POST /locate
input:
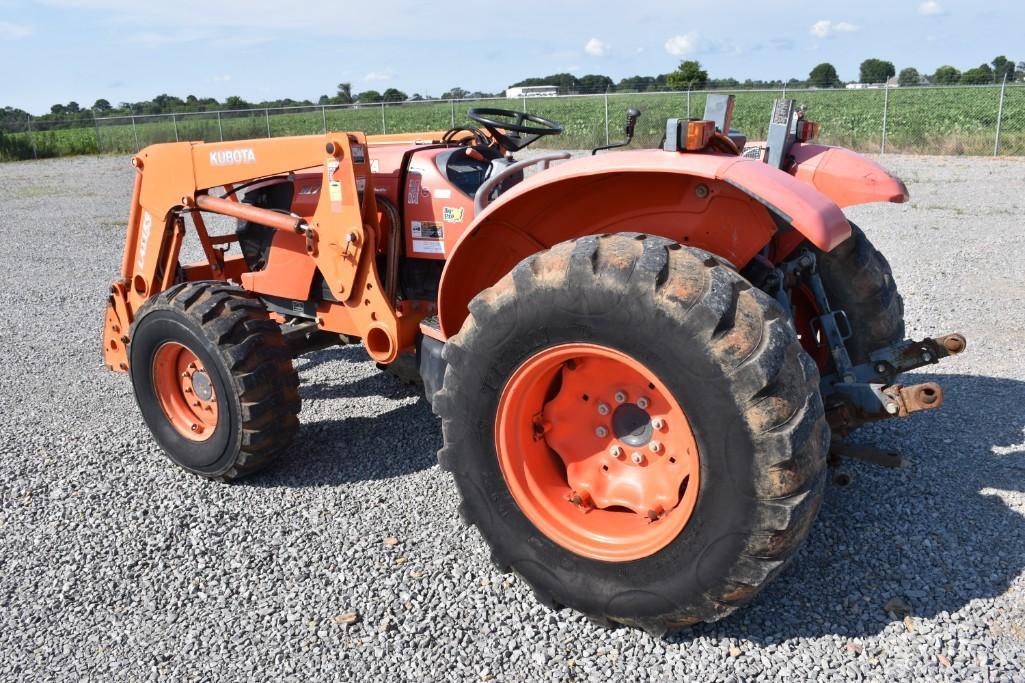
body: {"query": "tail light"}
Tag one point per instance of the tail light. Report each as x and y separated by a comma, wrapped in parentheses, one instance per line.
(806, 130)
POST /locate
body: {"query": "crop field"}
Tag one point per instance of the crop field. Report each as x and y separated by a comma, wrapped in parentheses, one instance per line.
(917, 120)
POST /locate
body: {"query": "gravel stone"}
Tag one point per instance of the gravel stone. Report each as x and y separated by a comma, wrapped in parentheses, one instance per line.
(115, 565)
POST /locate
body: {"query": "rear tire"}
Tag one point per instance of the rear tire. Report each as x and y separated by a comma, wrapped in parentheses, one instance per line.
(858, 280)
(236, 357)
(729, 358)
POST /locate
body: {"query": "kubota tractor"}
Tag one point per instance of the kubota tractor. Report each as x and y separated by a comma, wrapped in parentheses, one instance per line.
(638, 357)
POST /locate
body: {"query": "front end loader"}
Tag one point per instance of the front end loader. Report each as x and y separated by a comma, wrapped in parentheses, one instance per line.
(640, 358)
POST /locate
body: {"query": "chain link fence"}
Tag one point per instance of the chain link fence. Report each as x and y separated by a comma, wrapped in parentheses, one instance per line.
(968, 120)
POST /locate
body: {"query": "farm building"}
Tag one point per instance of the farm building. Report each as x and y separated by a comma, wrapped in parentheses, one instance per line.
(532, 91)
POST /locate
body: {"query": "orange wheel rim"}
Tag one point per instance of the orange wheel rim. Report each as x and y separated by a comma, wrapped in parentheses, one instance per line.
(596, 452)
(806, 310)
(185, 391)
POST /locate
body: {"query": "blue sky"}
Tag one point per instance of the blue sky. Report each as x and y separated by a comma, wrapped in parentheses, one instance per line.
(124, 50)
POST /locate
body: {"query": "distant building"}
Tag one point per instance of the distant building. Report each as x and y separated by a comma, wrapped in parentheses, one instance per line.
(532, 91)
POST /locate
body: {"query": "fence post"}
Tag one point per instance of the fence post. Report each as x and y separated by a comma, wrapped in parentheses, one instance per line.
(135, 134)
(524, 104)
(453, 103)
(384, 121)
(323, 115)
(96, 124)
(266, 116)
(607, 141)
(688, 102)
(220, 129)
(174, 120)
(32, 137)
(886, 113)
(1000, 115)
(784, 90)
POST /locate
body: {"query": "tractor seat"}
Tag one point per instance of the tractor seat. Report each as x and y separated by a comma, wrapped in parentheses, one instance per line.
(463, 170)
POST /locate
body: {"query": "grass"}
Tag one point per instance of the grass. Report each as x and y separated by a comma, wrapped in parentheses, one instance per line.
(919, 120)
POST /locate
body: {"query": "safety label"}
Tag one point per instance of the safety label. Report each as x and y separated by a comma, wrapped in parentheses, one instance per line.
(428, 247)
(453, 215)
(427, 231)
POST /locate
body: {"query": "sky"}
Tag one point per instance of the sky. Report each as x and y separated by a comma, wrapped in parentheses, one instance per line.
(128, 50)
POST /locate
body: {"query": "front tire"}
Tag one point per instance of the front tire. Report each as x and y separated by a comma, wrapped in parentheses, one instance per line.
(719, 349)
(214, 380)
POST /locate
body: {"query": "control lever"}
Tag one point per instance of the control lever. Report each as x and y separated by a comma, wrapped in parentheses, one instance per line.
(632, 115)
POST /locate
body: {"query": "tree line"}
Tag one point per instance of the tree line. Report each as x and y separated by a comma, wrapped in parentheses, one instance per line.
(689, 75)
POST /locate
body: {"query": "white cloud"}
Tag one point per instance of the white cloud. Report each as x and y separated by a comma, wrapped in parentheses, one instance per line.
(378, 76)
(9, 31)
(930, 8)
(826, 28)
(683, 45)
(597, 48)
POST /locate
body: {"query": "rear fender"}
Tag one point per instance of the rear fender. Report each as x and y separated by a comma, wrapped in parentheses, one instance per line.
(725, 204)
(846, 177)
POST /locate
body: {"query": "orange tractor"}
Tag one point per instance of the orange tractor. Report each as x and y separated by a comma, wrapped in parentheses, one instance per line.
(638, 357)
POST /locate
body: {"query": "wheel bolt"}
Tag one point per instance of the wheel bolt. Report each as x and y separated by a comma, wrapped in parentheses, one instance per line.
(601, 432)
(195, 427)
(620, 397)
(638, 458)
(658, 423)
(655, 447)
(642, 402)
(616, 452)
(188, 390)
(603, 409)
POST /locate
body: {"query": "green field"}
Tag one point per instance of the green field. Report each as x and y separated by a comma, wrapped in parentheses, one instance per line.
(918, 120)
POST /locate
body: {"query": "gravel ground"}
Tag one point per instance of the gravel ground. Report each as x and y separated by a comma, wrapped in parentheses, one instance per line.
(115, 565)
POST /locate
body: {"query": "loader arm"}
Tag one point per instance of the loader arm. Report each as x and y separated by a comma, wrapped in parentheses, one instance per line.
(174, 183)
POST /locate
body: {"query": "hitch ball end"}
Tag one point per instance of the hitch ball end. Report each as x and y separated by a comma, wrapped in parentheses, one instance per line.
(953, 343)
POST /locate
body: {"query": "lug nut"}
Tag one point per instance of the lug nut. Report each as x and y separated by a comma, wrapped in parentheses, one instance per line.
(642, 402)
(616, 452)
(603, 409)
(637, 458)
(620, 397)
(195, 427)
(892, 408)
(655, 447)
(601, 432)
(658, 423)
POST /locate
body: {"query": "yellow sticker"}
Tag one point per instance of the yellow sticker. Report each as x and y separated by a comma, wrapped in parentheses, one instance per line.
(453, 215)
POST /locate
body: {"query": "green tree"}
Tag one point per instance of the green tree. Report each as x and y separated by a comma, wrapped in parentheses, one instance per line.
(946, 75)
(876, 71)
(636, 84)
(595, 83)
(688, 76)
(1002, 68)
(394, 95)
(824, 76)
(344, 95)
(980, 75)
(368, 96)
(909, 77)
(101, 106)
(455, 94)
(235, 102)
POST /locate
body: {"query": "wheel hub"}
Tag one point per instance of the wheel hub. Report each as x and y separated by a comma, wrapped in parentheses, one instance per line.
(185, 391)
(631, 424)
(611, 468)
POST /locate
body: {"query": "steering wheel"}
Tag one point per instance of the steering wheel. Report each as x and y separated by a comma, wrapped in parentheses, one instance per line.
(509, 129)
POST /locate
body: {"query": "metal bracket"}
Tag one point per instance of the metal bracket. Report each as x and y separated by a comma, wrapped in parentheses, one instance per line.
(839, 450)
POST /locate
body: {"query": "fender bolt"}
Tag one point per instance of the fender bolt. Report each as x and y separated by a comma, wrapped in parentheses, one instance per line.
(601, 432)
(642, 402)
(638, 458)
(620, 397)
(603, 409)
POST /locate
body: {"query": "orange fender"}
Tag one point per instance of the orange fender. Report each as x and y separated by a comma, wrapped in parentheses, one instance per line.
(721, 203)
(846, 177)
